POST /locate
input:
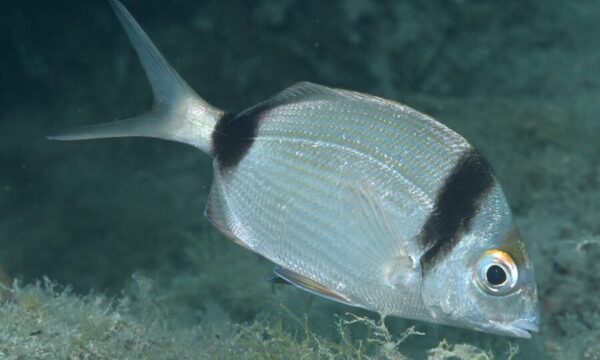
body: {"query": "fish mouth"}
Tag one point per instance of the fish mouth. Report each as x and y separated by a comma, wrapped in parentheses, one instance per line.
(522, 328)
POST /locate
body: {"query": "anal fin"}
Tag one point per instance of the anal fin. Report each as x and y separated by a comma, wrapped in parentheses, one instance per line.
(217, 213)
(311, 286)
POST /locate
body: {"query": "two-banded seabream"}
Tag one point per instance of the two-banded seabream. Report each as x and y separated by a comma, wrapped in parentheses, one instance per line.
(355, 198)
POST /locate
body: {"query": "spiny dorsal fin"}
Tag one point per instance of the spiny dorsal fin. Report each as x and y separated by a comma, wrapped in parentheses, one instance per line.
(311, 286)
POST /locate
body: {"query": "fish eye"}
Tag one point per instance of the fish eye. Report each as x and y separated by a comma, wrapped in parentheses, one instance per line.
(497, 272)
(495, 275)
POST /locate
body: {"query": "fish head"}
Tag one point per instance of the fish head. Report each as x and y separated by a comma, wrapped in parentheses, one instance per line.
(486, 282)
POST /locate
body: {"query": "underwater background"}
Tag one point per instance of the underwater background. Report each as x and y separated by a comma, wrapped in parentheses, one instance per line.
(106, 243)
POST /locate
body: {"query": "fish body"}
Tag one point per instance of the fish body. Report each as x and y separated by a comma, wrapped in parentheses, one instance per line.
(355, 198)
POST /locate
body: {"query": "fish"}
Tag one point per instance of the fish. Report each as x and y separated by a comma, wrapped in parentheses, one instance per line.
(354, 198)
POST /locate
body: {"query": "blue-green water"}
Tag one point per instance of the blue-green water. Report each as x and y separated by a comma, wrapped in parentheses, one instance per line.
(519, 79)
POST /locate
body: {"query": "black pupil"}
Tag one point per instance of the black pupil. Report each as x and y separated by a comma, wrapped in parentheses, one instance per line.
(495, 275)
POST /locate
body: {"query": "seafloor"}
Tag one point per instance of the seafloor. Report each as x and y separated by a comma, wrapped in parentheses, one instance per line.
(120, 221)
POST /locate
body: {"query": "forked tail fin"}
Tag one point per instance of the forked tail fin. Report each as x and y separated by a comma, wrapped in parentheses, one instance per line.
(177, 114)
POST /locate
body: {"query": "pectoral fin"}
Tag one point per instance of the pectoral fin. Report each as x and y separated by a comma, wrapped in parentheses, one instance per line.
(380, 245)
(311, 286)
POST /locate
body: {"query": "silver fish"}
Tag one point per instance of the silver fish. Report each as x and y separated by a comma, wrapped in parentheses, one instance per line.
(355, 198)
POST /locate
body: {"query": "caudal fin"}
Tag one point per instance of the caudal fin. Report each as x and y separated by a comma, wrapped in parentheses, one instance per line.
(177, 114)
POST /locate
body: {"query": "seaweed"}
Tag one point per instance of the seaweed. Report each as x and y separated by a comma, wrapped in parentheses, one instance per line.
(47, 321)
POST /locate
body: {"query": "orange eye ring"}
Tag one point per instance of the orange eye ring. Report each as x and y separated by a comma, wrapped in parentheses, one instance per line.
(497, 272)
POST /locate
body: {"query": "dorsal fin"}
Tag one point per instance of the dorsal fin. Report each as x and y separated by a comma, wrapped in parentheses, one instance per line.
(300, 92)
(311, 286)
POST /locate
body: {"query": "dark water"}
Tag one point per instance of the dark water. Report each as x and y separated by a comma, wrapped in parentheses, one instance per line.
(520, 79)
